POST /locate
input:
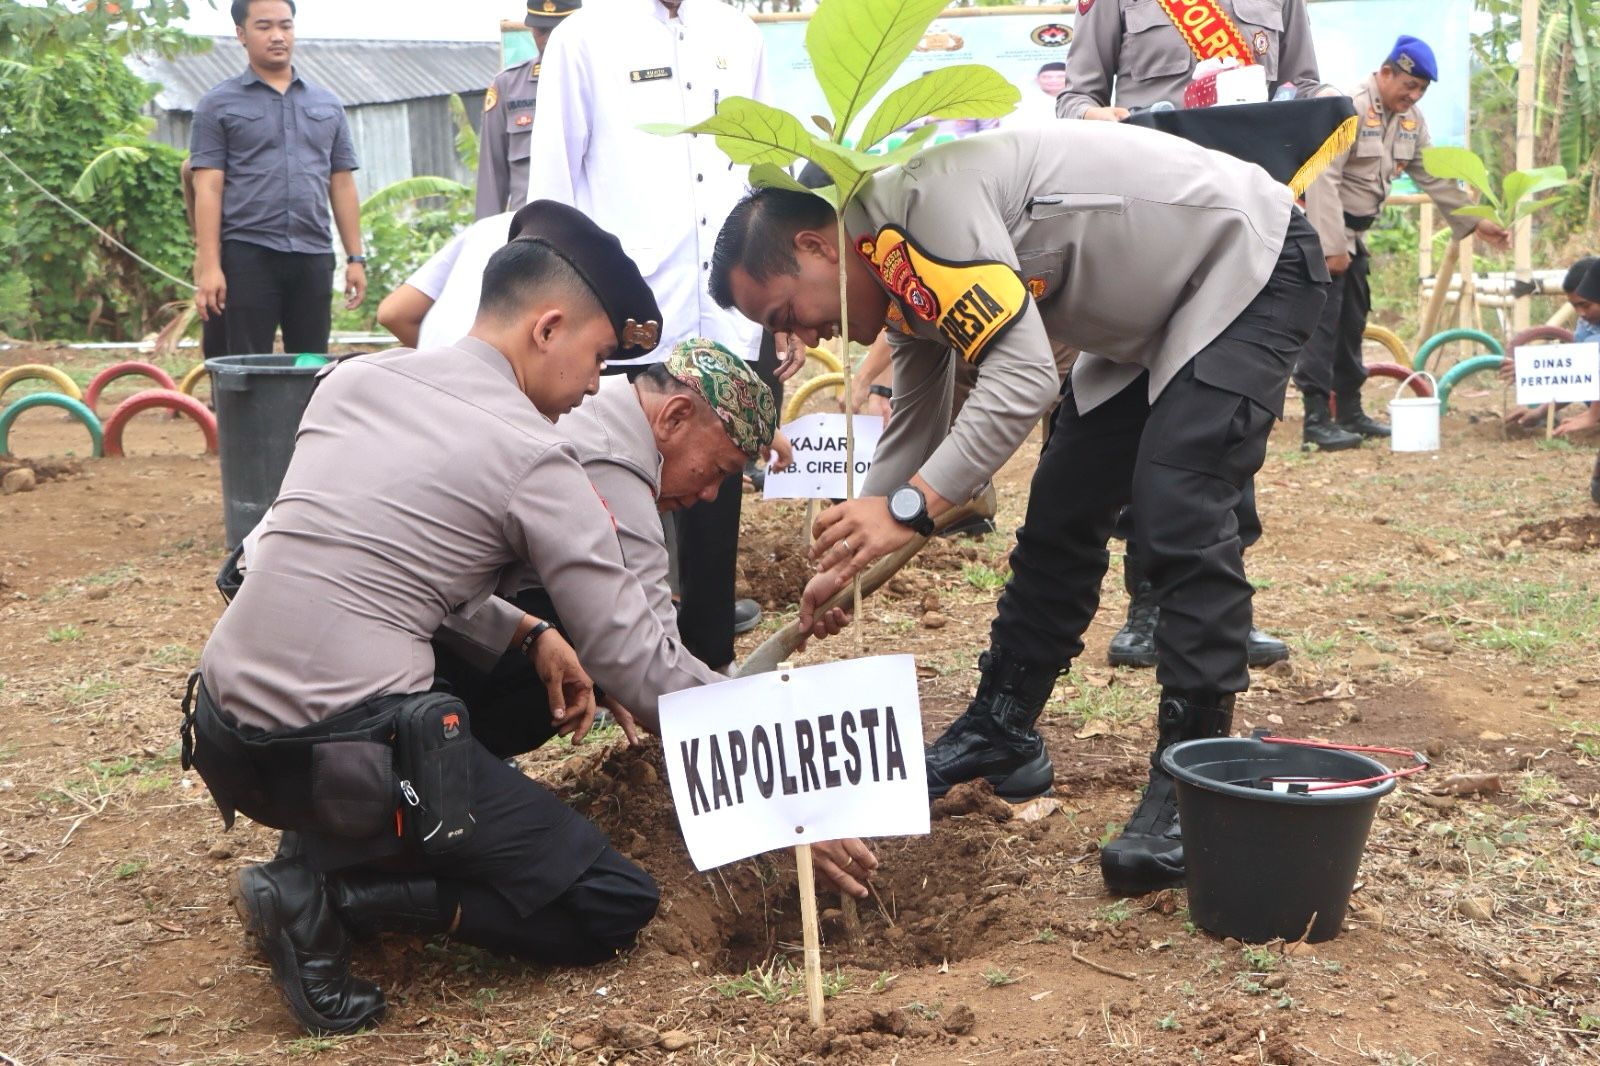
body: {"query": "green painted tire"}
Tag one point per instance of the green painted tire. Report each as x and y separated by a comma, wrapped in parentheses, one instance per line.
(1453, 376)
(1438, 340)
(77, 408)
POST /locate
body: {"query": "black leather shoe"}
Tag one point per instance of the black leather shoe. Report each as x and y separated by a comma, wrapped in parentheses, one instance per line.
(373, 903)
(1264, 649)
(1148, 856)
(746, 615)
(1319, 432)
(1135, 642)
(286, 907)
(976, 526)
(1352, 418)
(995, 737)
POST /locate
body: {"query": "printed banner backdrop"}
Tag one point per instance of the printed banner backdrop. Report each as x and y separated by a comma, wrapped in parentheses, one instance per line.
(1352, 37)
(797, 757)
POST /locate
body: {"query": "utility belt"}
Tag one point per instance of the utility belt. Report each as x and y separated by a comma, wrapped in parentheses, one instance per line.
(399, 764)
(1359, 223)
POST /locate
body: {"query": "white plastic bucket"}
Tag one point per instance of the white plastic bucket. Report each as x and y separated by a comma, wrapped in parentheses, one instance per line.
(1414, 421)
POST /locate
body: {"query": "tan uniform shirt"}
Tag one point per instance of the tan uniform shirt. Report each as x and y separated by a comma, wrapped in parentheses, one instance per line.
(418, 478)
(503, 139)
(1358, 181)
(1133, 44)
(614, 443)
(1135, 245)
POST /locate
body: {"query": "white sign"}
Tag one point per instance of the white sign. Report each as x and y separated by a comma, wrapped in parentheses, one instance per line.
(797, 757)
(1559, 373)
(817, 472)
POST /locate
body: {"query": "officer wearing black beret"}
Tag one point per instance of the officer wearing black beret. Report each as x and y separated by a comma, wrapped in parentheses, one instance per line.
(418, 477)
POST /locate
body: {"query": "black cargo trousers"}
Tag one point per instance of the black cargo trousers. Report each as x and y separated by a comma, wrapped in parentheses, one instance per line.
(1183, 462)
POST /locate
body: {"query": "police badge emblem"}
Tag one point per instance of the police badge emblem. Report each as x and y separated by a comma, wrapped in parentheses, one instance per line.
(1037, 286)
(640, 334)
(1260, 42)
(491, 98)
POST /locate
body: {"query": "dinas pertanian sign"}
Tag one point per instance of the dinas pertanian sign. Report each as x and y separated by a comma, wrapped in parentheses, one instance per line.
(797, 757)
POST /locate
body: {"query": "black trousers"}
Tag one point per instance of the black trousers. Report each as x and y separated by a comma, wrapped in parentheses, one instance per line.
(268, 289)
(1184, 463)
(708, 552)
(1134, 572)
(1331, 364)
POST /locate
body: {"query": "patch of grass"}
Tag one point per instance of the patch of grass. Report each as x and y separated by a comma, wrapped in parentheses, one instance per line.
(995, 977)
(1113, 913)
(312, 1045)
(1115, 704)
(1554, 444)
(928, 1012)
(61, 634)
(777, 981)
(1317, 649)
(1535, 788)
(89, 690)
(1046, 935)
(1170, 1023)
(129, 869)
(173, 654)
(986, 578)
(1259, 959)
(1539, 622)
(115, 576)
(883, 980)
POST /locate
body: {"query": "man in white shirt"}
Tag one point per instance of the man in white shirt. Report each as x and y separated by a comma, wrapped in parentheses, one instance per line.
(615, 65)
(438, 302)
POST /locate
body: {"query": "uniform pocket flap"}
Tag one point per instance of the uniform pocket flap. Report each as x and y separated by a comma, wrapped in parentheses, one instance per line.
(1041, 207)
(353, 787)
(1042, 272)
(1265, 13)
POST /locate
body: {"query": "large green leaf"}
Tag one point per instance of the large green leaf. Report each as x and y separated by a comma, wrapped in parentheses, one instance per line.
(1478, 211)
(751, 133)
(415, 188)
(1528, 207)
(1460, 164)
(105, 167)
(968, 90)
(856, 46)
(1521, 183)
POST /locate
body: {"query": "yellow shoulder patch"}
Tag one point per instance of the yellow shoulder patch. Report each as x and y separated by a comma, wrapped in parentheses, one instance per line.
(971, 304)
(491, 98)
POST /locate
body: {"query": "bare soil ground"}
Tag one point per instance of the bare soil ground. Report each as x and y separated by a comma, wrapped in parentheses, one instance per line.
(1444, 602)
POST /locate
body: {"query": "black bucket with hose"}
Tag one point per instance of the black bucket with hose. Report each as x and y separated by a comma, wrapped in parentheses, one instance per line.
(1273, 831)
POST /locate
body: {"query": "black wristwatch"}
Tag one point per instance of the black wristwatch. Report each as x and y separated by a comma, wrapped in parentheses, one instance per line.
(881, 390)
(909, 507)
(356, 259)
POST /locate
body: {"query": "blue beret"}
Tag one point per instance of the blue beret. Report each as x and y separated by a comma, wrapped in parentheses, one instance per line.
(1414, 57)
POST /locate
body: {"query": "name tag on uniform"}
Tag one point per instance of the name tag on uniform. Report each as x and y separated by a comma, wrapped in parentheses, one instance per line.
(650, 74)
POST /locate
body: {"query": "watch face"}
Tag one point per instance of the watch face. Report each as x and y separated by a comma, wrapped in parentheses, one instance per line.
(905, 503)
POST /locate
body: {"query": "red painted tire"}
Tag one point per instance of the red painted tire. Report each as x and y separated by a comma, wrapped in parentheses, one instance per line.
(170, 399)
(1419, 385)
(132, 368)
(1540, 333)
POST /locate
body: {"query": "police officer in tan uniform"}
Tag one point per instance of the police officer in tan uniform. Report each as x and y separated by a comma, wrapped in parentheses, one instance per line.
(1188, 279)
(1344, 202)
(1128, 55)
(1131, 52)
(504, 134)
(418, 478)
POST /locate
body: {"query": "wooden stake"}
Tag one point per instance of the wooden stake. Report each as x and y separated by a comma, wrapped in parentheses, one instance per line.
(1549, 420)
(1522, 232)
(849, 421)
(1441, 284)
(810, 931)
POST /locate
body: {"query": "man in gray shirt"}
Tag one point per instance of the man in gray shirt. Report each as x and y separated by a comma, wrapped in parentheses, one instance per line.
(270, 151)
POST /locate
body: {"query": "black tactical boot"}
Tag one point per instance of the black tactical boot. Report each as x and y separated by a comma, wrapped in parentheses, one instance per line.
(1135, 642)
(994, 738)
(1264, 649)
(286, 907)
(1353, 418)
(1148, 856)
(1320, 433)
(376, 903)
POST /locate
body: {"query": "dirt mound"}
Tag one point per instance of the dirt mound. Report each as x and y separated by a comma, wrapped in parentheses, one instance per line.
(43, 469)
(1578, 533)
(743, 914)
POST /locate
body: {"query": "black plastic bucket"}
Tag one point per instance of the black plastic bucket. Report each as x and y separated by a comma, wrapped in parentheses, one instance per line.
(1262, 859)
(259, 400)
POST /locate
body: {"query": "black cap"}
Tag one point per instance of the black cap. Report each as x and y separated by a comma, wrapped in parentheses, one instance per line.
(598, 258)
(1048, 67)
(547, 14)
(1575, 273)
(1589, 287)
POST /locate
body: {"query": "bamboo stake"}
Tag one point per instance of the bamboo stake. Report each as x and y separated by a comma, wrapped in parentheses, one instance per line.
(1522, 232)
(849, 420)
(1441, 282)
(1549, 420)
(810, 931)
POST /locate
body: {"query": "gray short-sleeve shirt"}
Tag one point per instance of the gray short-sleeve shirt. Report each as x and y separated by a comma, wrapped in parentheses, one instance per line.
(277, 152)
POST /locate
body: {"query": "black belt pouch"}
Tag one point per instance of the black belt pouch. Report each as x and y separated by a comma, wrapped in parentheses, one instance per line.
(433, 759)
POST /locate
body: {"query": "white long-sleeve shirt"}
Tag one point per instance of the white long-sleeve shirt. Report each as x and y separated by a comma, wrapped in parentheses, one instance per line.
(617, 64)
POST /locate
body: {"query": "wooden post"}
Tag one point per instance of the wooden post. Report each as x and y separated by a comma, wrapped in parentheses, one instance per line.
(1441, 284)
(1425, 241)
(1549, 420)
(810, 930)
(1522, 235)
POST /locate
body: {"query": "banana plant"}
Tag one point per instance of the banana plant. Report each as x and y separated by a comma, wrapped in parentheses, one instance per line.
(1514, 200)
(856, 46)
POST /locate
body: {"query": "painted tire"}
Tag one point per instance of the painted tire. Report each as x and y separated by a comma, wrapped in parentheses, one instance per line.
(72, 406)
(1457, 373)
(133, 368)
(170, 399)
(791, 410)
(826, 358)
(29, 371)
(1540, 333)
(1390, 340)
(1419, 385)
(1438, 340)
(192, 379)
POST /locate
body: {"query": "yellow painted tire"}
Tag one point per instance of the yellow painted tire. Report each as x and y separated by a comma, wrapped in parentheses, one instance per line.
(826, 358)
(797, 400)
(1389, 340)
(30, 371)
(190, 381)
